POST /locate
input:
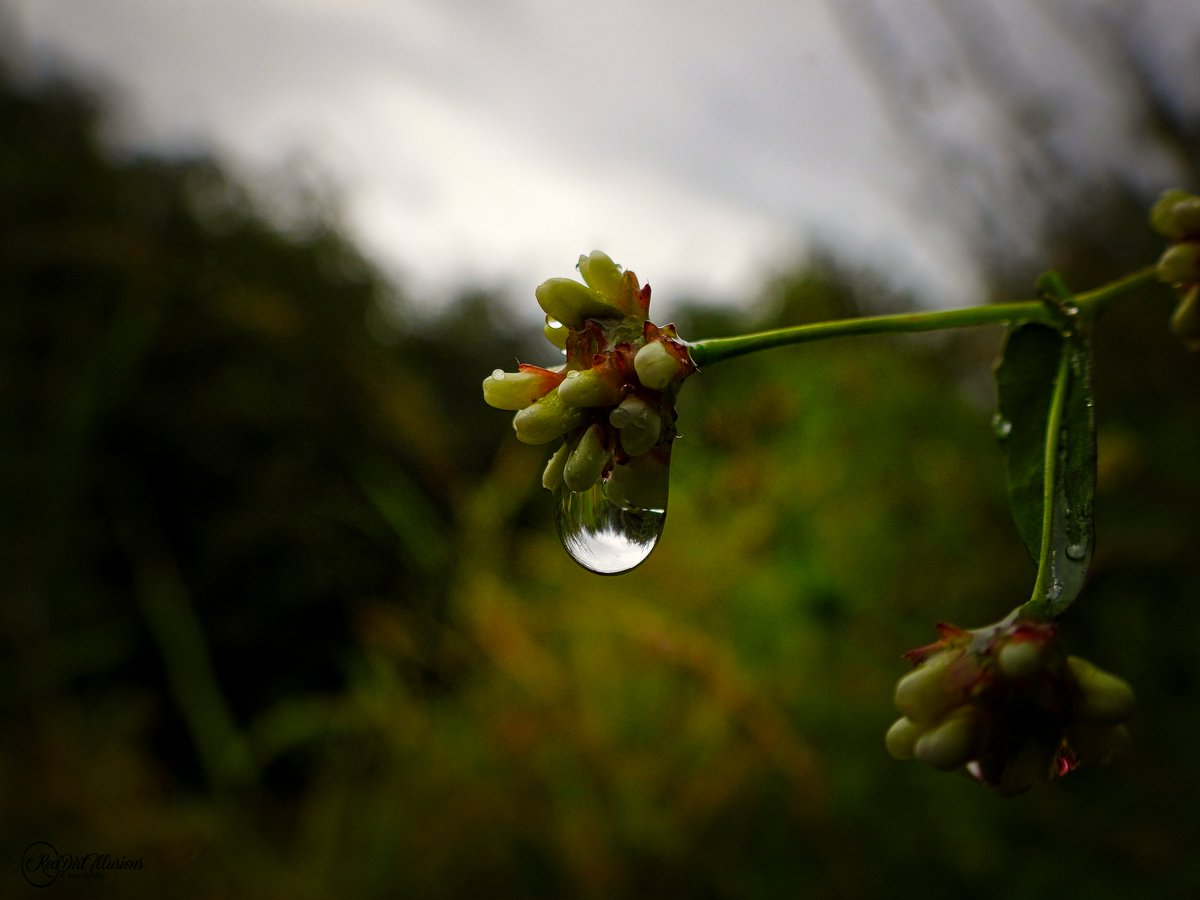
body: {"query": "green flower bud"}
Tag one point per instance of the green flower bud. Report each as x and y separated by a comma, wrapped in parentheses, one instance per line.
(553, 475)
(1186, 216)
(640, 426)
(1103, 696)
(556, 332)
(1099, 745)
(1020, 658)
(586, 463)
(950, 743)
(588, 388)
(923, 694)
(640, 483)
(572, 303)
(546, 419)
(901, 738)
(601, 273)
(516, 390)
(657, 366)
(1032, 765)
(1163, 218)
(1186, 320)
(1180, 264)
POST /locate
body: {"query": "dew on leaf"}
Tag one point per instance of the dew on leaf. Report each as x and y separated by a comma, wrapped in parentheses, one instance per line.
(498, 374)
(1001, 426)
(1076, 551)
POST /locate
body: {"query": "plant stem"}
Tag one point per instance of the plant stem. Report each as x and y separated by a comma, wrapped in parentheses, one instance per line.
(1090, 304)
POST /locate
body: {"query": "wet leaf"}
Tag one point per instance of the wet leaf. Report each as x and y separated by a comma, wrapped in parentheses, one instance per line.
(1025, 379)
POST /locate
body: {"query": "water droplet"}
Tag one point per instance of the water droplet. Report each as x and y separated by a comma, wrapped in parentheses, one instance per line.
(1001, 426)
(498, 374)
(551, 322)
(1077, 551)
(612, 527)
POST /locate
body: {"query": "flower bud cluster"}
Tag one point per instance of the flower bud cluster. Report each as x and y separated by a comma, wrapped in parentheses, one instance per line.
(1176, 216)
(1008, 705)
(613, 399)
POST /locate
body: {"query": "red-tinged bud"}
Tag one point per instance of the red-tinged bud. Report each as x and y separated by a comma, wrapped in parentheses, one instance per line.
(1008, 704)
(516, 390)
(658, 365)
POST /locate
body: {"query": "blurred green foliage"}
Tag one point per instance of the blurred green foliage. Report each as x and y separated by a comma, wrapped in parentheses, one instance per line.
(284, 614)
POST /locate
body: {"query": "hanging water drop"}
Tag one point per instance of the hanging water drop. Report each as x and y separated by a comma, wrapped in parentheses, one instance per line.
(1077, 552)
(612, 527)
(1001, 426)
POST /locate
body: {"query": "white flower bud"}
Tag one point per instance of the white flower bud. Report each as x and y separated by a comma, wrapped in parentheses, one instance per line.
(514, 390)
(656, 366)
(1020, 659)
(572, 303)
(552, 476)
(640, 426)
(545, 420)
(922, 695)
(950, 743)
(588, 388)
(600, 273)
(902, 736)
(586, 463)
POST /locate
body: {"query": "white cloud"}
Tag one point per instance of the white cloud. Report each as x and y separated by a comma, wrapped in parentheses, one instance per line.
(495, 141)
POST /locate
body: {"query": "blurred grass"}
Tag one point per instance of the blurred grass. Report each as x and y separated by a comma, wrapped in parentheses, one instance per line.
(285, 616)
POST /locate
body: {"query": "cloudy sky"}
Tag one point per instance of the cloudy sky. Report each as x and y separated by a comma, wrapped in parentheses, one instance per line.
(699, 143)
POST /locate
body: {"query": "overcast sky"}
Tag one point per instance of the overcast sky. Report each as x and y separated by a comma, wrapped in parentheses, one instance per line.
(699, 143)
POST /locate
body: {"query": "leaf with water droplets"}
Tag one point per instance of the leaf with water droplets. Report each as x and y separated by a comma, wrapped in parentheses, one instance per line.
(612, 527)
(1025, 379)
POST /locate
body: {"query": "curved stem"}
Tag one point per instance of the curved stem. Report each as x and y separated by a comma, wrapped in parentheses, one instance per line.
(1090, 304)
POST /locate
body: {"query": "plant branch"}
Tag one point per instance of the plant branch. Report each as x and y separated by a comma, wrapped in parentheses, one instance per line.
(1090, 304)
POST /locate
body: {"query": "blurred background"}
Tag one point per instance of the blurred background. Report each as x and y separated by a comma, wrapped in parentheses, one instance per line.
(283, 611)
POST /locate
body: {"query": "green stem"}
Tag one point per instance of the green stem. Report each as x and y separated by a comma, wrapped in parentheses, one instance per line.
(1038, 604)
(1090, 304)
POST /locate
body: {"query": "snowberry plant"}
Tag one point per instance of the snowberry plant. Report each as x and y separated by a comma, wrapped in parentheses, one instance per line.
(1006, 703)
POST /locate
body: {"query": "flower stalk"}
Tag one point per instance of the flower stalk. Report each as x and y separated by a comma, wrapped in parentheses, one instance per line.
(1090, 304)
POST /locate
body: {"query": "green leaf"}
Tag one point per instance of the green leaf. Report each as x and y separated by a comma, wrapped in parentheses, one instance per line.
(1029, 397)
